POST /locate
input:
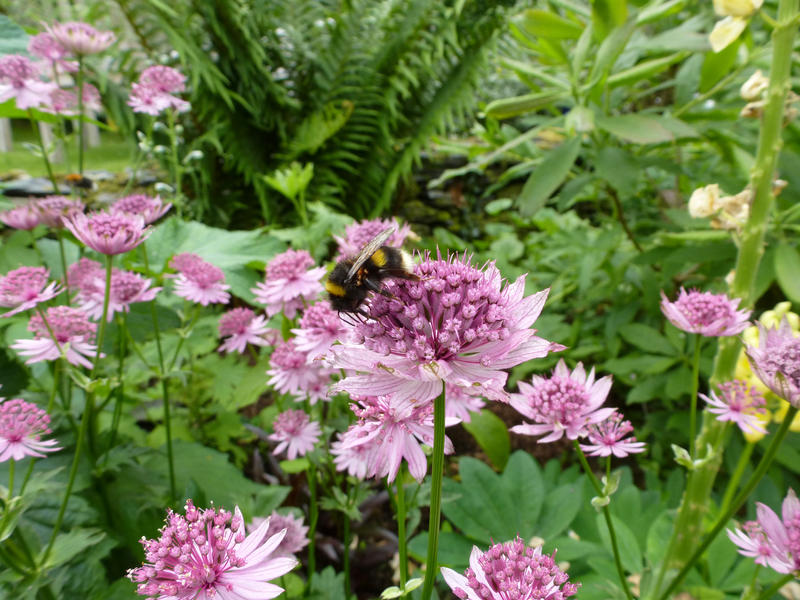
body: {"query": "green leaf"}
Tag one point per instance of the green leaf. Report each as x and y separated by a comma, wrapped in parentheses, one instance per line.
(491, 433)
(298, 465)
(318, 127)
(636, 128)
(717, 65)
(13, 39)
(454, 549)
(619, 168)
(609, 51)
(546, 24)
(533, 71)
(644, 363)
(658, 538)
(646, 338)
(787, 270)
(327, 585)
(629, 552)
(518, 105)
(608, 14)
(550, 174)
(644, 70)
(70, 545)
(561, 506)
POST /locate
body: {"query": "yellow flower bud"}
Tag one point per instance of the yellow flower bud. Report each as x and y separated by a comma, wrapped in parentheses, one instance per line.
(736, 8)
(704, 201)
(725, 32)
(756, 85)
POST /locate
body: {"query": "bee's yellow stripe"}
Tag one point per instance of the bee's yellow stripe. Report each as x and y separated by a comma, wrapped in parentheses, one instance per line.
(379, 258)
(334, 288)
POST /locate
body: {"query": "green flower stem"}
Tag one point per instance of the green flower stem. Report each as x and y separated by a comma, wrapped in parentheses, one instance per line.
(122, 325)
(80, 114)
(401, 525)
(51, 401)
(750, 592)
(607, 515)
(313, 516)
(164, 387)
(177, 169)
(733, 484)
(27, 475)
(346, 540)
(751, 248)
(11, 463)
(435, 515)
(695, 388)
(737, 502)
(62, 256)
(48, 166)
(773, 589)
(100, 338)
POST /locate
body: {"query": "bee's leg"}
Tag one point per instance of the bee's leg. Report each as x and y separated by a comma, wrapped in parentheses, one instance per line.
(376, 287)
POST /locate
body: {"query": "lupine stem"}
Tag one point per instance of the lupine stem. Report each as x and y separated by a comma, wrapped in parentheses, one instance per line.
(733, 484)
(609, 523)
(751, 248)
(695, 388)
(313, 515)
(737, 502)
(435, 515)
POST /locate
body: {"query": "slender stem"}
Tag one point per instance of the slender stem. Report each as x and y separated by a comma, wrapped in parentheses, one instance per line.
(346, 539)
(80, 114)
(51, 401)
(89, 408)
(62, 256)
(435, 515)
(695, 388)
(401, 525)
(771, 590)
(27, 475)
(11, 463)
(740, 498)
(122, 325)
(609, 523)
(177, 170)
(733, 484)
(48, 166)
(750, 592)
(313, 516)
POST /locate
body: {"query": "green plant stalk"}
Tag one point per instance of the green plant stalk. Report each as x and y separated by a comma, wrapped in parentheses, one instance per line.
(123, 325)
(27, 475)
(695, 388)
(100, 338)
(435, 514)
(401, 526)
(11, 463)
(63, 257)
(733, 484)
(772, 590)
(740, 499)
(177, 169)
(609, 523)
(750, 592)
(694, 505)
(48, 166)
(346, 540)
(164, 387)
(80, 114)
(313, 516)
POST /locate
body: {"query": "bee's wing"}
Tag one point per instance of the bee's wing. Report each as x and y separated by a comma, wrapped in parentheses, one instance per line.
(368, 251)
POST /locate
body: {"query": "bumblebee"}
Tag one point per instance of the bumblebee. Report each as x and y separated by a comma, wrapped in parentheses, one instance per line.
(353, 278)
(79, 181)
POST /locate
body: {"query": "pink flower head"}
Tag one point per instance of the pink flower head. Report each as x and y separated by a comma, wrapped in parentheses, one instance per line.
(295, 432)
(296, 537)
(149, 208)
(62, 102)
(320, 326)
(741, 403)
(24, 288)
(80, 38)
(126, 288)
(710, 315)
(776, 361)
(357, 235)
(458, 324)
(241, 326)
(392, 430)
(355, 459)
(19, 80)
(108, 233)
(290, 373)
(54, 209)
(773, 541)
(199, 281)
(510, 571)
(567, 402)
(290, 283)
(83, 275)
(22, 425)
(147, 100)
(24, 216)
(205, 555)
(608, 437)
(154, 91)
(46, 47)
(163, 79)
(461, 402)
(72, 335)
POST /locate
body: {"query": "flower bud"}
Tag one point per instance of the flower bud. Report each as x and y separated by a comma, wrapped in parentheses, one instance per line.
(704, 201)
(736, 8)
(754, 87)
(725, 32)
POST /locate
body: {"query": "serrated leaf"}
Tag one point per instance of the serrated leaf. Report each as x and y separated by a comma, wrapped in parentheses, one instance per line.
(630, 554)
(787, 270)
(491, 433)
(647, 338)
(548, 176)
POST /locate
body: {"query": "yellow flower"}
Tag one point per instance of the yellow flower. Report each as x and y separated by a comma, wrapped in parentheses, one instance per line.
(725, 32)
(772, 318)
(754, 87)
(736, 8)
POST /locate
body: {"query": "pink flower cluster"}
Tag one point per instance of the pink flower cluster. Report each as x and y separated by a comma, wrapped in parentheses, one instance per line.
(776, 361)
(205, 554)
(290, 283)
(510, 571)
(149, 208)
(291, 373)
(24, 288)
(771, 540)
(156, 89)
(295, 433)
(79, 38)
(89, 278)
(108, 232)
(50, 211)
(64, 330)
(22, 425)
(357, 235)
(296, 537)
(240, 327)
(710, 315)
(19, 80)
(741, 403)
(320, 327)
(199, 281)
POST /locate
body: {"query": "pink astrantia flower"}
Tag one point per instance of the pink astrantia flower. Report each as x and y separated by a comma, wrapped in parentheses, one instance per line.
(740, 403)
(80, 38)
(320, 326)
(148, 207)
(163, 79)
(461, 402)
(776, 361)
(126, 288)
(295, 432)
(108, 233)
(296, 537)
(290, 373)
(154, 91)
(199, 281)
(353, 459)
(147, 100)
(46, 47)
(289, 283)
(24, 216)
(710, 315)
(458, 324)
(510, 570)
(773, 541)
(392, 429)
(357, 235)
(608, 437)
(19, 80)
(565, 403)
(240, 327)
(24, 288)
(205, 555)
(54, 209)
(22, 425)
(72, 335)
